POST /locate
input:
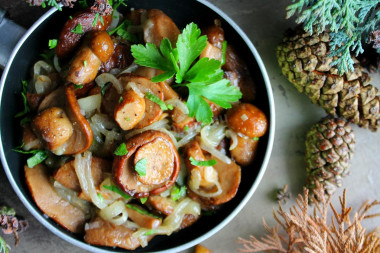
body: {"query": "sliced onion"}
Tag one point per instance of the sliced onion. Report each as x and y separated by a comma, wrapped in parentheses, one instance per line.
(177, 103)
(133, 86)
(187, 138)
(233, 136)
(173, 221)
(131, 68)
(104, 78)
(90, 103)
(43, 84)
(72, 197)
(103, 121)
(56, 63)
(116, 17)
(205, 194)
(156, 125)
(82, 166)
(212, 135)
(213, 151)
(115, 213)
(41, 68)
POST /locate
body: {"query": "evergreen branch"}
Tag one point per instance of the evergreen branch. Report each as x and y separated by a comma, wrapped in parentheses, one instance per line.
(349, 21)
(3, 246)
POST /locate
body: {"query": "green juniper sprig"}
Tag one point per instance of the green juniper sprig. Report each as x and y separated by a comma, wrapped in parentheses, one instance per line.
(349, 21)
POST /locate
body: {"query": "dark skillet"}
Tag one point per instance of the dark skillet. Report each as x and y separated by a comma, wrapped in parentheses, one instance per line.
(182, 12)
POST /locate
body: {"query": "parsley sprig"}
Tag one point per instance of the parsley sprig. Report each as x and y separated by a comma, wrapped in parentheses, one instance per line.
(38, 155)
(203, 77)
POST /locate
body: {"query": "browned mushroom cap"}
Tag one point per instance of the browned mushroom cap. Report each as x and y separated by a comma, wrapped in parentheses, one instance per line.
(245, 151)
(159, 26)
(162, 164)
(166, 206)
(69, 40)
(153, 111)
(67, 176)
(50, 203)
(53, 126)
(103, 233)
(130, 110)
(247, 119)
(81, 139)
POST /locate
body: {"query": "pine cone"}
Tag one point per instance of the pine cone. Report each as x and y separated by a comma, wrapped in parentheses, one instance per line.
(304, 60)
(329, 147)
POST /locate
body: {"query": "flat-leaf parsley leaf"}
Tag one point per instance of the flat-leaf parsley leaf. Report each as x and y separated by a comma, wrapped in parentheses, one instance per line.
(194, 162)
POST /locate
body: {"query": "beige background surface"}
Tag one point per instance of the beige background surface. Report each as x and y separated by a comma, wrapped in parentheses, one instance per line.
(264, 22)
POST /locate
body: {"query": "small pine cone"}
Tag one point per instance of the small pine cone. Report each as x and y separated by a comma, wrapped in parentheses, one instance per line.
(304, 60)
(329, 147)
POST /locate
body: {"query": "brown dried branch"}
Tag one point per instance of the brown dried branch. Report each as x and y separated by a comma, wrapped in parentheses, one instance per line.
(10, 224)
(304, 232)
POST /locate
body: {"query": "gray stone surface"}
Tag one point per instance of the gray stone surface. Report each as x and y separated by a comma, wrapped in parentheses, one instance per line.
(264, 22)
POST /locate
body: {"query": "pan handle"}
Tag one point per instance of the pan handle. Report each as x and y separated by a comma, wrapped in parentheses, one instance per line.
(10, 34)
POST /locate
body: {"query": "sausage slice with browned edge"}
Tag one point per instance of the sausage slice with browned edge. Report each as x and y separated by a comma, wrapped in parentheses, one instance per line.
(155, 153)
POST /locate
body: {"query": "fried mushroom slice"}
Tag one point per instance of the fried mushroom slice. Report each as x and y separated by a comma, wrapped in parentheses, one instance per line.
(103, 233)
(130, 110)
(161, 164)
(159, 26)
(153, 111)
(50, 203)
(53, 126)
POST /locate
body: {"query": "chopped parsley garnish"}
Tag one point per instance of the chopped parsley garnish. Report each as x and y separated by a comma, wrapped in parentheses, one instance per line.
(141, 211)
(224, 51)
(203, 78)
(121, 150)
(121, 30)
(114, 188)
(255, 138)
(78, 29)
(100, 196)
(186, 128)
(150, 232)
(143, 200)
(104, 88)
(77, 86)
(177, 192)
(121, 99)
(70, 17)
(52, 3)
(156, 100)
(48, 56)
(140, 167)
(170, 106)
(101, 20)
(116, 3)
(53, 43)
(83, 3)
(95, 19)
(38, 155)
(24, 100)
(85, 63)
(194, 162)
(25, 121)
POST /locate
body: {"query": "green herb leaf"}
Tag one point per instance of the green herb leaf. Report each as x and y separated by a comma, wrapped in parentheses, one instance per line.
(7, 211)
(194, 162)
(177, 192)
(37, 158)
(78, 86)
(104, 88)
(101, 20)
(120, 99)
(53, 43)
(189, 45)
(143, 200)
(24, 100)
(3, 246)
(25, 121)
(52, 3)
(121, 30)
(95, 20)
(114, 188)
(48, 56)
(186, 128)
(140, 167)
(142, 211)
(121, 150)
(255, 138)
(83, 3)
(100, 196)
(156, 100)
(224, 51)
(78, 29)
(70, 17)
(116, 3)
(85, 63)
(150, 232)
(170, 106)
(150, 56)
